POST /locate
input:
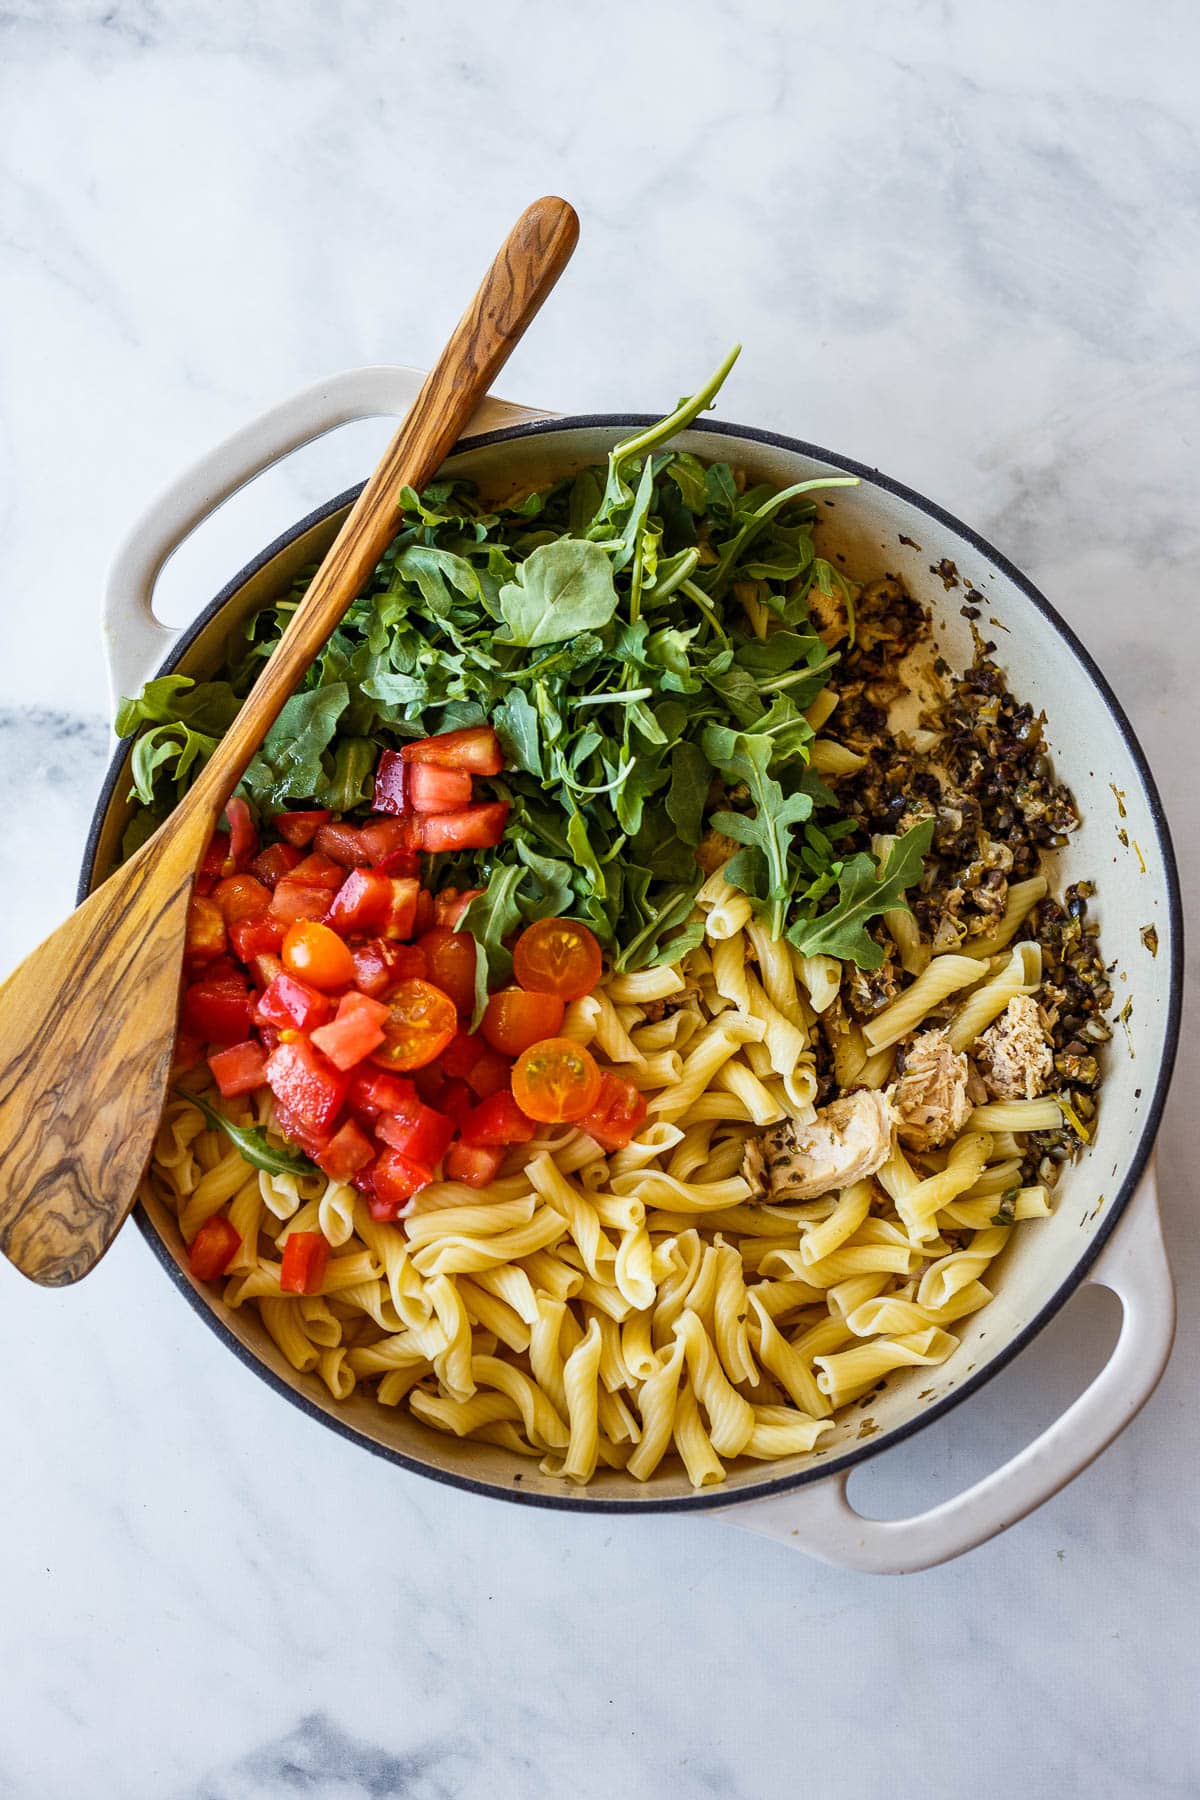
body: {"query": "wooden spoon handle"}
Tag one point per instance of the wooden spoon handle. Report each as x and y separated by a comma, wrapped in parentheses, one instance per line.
(529, 263)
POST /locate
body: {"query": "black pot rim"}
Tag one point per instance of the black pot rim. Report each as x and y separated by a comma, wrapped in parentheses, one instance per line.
(705, 1500)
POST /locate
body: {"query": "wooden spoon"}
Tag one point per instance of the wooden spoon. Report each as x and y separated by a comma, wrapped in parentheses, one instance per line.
(87, 1022)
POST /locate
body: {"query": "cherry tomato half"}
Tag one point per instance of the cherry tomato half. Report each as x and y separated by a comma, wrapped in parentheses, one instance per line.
(556, 1080)
(450, 959)
(557, 956)
(421, 1021)
(317, 955)
(515, 1020)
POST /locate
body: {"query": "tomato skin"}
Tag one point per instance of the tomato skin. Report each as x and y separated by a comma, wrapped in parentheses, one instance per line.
(434, 790)
(422, 1022)
(419, 1132)
(300, 828)
(204, 940)
(618, 1114)
(475, 748)
(479, 826)
(450, 905)
(489, 1073)
(382, 838)
(310, 1089)
(217, 1009)
(373, 1091)
(294, 900)
(241, 897)
(305, 1260)
(362, 846)
(450, 959)
(556, 1080)
(391, 786)
(340, 842)
(515, 1019)
(362, 902)
(317, 955)
(273, 863)
(557, 956)
(243, 839)
(347, 1153)
(476, 1164)
(400, 862)
(240, 1069)
(255, 937)
(294, 1006)
(213, 1248)
(354, 1032)
(498, 1120)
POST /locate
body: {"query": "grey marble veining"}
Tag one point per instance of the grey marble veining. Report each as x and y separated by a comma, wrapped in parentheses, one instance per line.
(961, 243)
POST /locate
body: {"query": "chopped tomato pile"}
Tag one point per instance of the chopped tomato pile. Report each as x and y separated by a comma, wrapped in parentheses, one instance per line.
(320, 967)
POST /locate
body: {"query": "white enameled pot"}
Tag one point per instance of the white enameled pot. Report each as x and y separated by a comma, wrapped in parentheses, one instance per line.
(1105, 1226)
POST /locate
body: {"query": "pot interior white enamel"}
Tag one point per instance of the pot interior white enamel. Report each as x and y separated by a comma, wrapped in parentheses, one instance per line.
(1122, 845)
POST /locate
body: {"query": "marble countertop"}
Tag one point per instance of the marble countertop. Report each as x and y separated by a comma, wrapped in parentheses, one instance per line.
(962, 243)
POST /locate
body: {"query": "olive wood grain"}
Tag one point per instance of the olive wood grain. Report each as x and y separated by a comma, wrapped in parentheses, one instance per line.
(87, 1022)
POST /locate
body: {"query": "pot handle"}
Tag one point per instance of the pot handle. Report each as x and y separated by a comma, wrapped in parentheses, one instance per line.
(821, 1520)
(135, 641)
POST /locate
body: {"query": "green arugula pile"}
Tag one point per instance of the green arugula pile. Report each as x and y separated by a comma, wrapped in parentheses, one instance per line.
(639, 636)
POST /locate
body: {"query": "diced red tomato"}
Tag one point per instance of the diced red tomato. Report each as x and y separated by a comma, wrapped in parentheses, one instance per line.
(308, 1086)
(217, 1009)
(294, 1006)
(340, 841)
(293, 900)
(391, 795)
(256, 937)
(396, 1181)
(374, 1091)
(556, 1080)
(489, 1073)
(213, 1248)
(514, 1019)
(557, 956)
(400, 862)
(317, 870)
(476, 748)
(617, 1115)
(317, 955)
(348, 1151)
(300, 828)
(434, 790)
(313, 1143)
(363, 902)
(476, 1164)
(204, 939)
(456, 1100)
(479, 826)
(421, 1023)
(212, 864)
(243, 839)
(402, 913)
(420, 1133)
(354, 1032)
(241, 897)
(269, 1035)
(380, 963)
(424, 916)
(240, 1069)
(189, 1052)
(450, 905)
(450, 959)
(497, 1120)
(265, 967)
(305, 1260)
(273, 863)
(384, 838)
(429, 1080)
(462, 1053)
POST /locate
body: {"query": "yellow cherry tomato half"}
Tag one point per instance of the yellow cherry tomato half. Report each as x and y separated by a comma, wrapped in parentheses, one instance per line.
(555, 1080)
(317, 955)
(557, 956)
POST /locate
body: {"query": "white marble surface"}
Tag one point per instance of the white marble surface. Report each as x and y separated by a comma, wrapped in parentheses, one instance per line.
(962, 242)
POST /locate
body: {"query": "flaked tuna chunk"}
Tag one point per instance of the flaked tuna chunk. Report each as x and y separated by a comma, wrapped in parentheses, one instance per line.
(931, 1095)
(847, 1141)
(1014, 1055)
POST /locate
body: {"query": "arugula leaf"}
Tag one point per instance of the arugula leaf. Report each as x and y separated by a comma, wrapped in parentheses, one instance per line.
(864, 892)
(288, 763)
(251, 1141)
(491, 917)
(561, 589)
(691, 778)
